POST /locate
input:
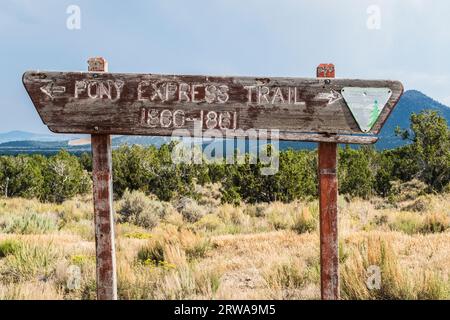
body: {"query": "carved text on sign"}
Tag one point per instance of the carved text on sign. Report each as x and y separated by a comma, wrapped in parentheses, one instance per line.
(155, 118)
(180, 92)
(150, 104)
(95, 89)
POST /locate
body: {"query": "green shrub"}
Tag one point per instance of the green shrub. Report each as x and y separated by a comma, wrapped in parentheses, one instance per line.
(198, 249)
(380, 220)
(209, 194)
(151, 170)
(255, 210)
(31, 223)
(286, 275)
(356, 176)
(8, 247)
(64, 178)
(409, 190)
(279, 220)
(429, 151)
(29, 261)
(209, 222)
(83, 228)
(304, 222)
(152, 253)
(409, 223)
(446, 189)
(190, 209)
(141, 210)
(75, 210)
(21, 176)
(147, 219)
(421, 204)
(435, 223)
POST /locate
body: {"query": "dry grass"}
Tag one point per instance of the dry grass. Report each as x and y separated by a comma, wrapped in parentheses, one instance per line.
(265, 251)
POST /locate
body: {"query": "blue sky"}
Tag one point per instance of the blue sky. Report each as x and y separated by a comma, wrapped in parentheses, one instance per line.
(224, 37)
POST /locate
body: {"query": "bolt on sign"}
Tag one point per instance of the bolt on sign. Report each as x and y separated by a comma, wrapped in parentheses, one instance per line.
(310, 109)
(322, 109)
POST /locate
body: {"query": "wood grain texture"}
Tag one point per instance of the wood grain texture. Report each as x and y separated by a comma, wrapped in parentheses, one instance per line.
(103, 206)
(104, 217)
(328, 195)
(328, 208)
(148, 104)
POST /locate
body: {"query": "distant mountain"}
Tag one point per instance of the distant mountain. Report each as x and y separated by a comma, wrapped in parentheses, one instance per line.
(29, 136)
(412, 101)
(40, 147)
(141, 140)
(34, 144)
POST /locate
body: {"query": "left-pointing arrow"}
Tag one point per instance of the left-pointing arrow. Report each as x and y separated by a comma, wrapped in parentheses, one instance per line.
(52, 90)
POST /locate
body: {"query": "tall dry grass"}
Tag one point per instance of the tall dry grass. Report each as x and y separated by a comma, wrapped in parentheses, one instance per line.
(263, 251)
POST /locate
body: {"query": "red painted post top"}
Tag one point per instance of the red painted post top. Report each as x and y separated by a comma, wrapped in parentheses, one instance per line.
(325, 70)
(98, 64)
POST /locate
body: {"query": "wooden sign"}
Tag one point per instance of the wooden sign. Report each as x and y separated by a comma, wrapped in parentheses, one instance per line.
(322, 109)
(309, 109)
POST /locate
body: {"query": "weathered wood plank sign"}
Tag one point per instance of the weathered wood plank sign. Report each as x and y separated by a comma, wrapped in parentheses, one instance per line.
(322, 109)
(310, 109)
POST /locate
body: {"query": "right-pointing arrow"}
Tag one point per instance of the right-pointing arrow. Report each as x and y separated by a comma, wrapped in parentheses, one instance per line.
(331, 96)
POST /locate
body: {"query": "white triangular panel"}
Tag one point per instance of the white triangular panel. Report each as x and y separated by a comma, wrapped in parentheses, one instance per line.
(366, 104)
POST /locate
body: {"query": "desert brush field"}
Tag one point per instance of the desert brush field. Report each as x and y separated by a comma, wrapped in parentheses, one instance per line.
(202, 249)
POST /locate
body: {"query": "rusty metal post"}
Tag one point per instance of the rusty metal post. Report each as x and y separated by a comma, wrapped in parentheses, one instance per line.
(103, 206)
(328, 196)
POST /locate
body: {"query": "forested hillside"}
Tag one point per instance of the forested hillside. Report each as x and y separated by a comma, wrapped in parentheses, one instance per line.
(362, 172)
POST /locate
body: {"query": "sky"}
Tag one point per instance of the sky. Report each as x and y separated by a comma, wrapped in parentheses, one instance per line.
(406, 40)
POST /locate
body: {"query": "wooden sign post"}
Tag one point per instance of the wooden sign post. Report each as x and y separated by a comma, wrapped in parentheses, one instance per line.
(103, 206)
(322, 109)
(328, 195)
